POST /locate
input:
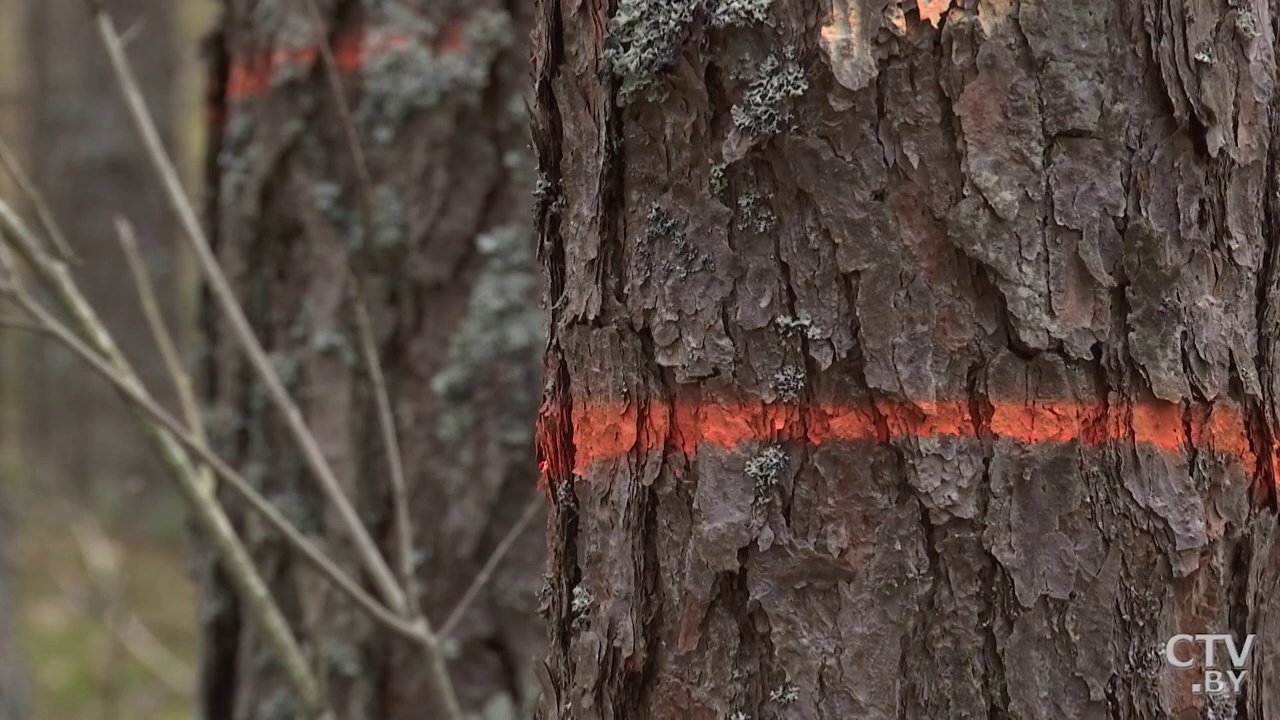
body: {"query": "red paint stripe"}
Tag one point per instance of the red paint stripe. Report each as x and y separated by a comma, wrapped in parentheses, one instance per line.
(606, 431)
(251, 75)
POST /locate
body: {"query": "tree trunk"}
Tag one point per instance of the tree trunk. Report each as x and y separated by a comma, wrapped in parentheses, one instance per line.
(90, 165)
(437, 91)
(13, 677)
(907, 360)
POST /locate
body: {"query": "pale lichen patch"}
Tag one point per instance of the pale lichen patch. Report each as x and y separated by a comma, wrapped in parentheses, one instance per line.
(644, 36)
(411, 75)
(766, 105)
(765, 469)
(738, 13)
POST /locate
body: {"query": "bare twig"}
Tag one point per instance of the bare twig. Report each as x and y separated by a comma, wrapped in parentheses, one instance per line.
(22, 324)
(391, 444)
(98, 344)
(364, 327)
(164, 341)
(441, 684)
(9, 162)
(366, 548)
(363, 178)
(234, 480)
(486, 573)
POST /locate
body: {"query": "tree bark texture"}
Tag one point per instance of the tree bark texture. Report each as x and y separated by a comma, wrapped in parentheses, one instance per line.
(437, 92)
(91, 167)
(907, 359)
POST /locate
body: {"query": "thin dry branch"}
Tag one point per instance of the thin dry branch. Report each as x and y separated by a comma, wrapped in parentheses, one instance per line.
(486, 573)
(9, 161)
(178, 374)
(294, 537)
(366, 548)
(96, 343)
(439, 681)
(364, 326)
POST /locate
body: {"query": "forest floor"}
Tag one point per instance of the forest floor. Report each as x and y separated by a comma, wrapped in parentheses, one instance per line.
(76, 667)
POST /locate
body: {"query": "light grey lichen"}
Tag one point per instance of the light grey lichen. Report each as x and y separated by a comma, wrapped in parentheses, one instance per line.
(754, 213)
(279, 704)
(764, 470)
(801, 324)
(644, 37)
(766, 105)
(582, 599)
(342, 657)
(325, 195)
(785, 695)
(1220, 706)
(740, 715)
(292, 28)
(411, 76)
(493, 352)
(719, 180)
(390, 221)
(789, 383)
(738, 13)
(330, 341)
(1247, 23)
(661, 227)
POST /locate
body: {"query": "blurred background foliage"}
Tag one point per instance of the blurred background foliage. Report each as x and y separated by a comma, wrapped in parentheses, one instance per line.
(94, 543)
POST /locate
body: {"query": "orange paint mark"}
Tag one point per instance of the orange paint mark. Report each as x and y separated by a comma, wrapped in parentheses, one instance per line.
(252, 75)
(610, 431)
(1158, 423)
(932, 10)
(843, 25)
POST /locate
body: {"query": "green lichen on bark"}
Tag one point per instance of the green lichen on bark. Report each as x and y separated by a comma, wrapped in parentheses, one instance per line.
(390, 221)
(738, 13)
(661, 227)
(718, 180)
(799, 325)
(412, 76)
(785, 695)
(754, 214)
(495, 343)
(765, 469)
(789, 382)
(766, 105)
(644, 37)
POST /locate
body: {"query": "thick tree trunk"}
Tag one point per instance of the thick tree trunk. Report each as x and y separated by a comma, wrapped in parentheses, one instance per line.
(907, 360)
(438, 93)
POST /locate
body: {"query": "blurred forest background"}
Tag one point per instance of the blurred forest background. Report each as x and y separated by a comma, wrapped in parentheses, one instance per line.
(95, 594)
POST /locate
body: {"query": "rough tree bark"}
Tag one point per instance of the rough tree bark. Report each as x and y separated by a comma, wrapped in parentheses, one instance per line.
(438, 93)
(907, 359)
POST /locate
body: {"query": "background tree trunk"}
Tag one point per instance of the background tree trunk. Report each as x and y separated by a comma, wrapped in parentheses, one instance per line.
(13, 122)
(907, 360)
(88, 162)
(13, 676)
(439, 93)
